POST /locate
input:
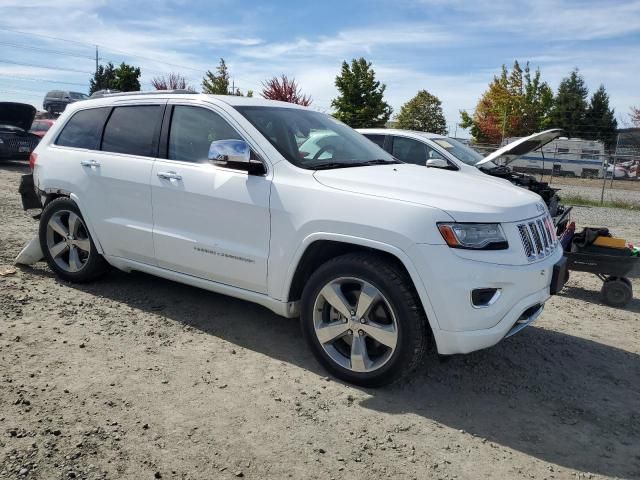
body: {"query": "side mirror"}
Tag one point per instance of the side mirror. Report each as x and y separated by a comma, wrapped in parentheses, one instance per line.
(437, 163)
(234, 154)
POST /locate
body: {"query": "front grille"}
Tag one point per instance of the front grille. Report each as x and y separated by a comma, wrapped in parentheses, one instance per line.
(15, 144)
(538, 237)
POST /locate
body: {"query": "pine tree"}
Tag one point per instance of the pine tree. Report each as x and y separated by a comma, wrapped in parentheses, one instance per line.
(569, 110)
(103, 79)
(424, 113)
(360, 103)
(218, 83)
(127, 78)
(600, 120)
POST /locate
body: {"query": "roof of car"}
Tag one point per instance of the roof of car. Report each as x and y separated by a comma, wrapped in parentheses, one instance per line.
(398, 131)
(233, 100)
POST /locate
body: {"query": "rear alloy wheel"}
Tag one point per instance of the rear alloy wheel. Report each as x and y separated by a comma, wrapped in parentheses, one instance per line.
(363, 320)
(66, 243)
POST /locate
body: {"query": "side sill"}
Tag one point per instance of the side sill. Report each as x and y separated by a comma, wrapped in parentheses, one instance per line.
(284, 309)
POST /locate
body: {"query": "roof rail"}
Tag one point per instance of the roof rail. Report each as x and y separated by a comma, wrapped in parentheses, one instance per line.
(153, 92)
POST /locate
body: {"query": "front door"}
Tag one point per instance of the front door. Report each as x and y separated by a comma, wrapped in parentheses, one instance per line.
(210, 222)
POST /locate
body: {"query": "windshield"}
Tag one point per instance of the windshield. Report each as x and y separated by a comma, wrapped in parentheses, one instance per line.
(78, 96)
(313, 140)
(459, 150)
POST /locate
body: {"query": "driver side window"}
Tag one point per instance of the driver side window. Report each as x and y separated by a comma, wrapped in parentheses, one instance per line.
(192, 131)
(412, 151)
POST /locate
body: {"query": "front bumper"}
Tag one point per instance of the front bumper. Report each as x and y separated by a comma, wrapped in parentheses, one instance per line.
(448, 279)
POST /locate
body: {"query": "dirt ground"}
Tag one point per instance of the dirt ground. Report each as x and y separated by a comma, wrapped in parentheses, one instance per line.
(136, 377)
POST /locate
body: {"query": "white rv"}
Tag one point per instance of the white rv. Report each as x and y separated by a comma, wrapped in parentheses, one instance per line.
(570, 157)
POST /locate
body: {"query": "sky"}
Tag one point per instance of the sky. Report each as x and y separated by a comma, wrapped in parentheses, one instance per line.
(450, 48)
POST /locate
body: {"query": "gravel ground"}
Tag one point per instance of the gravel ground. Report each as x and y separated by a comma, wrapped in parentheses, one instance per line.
(139, 378)
(595, 193)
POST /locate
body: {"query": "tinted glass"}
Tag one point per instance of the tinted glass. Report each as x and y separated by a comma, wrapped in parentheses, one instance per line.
(78, 96)
(377, 139)
(83, 129)
(409, 150)
(132, 130)
(192, 131)
(313, 140)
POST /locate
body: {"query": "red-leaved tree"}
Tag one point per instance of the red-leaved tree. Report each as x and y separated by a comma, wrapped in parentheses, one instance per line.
(172, 81)
(284, 90)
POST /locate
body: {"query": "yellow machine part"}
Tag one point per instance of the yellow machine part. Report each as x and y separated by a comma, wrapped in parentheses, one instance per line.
(610, 242)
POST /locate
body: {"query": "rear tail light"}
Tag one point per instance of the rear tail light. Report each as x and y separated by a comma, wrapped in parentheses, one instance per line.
(32, 160)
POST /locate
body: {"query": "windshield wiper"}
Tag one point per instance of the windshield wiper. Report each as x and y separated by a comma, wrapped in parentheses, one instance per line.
(330, 165)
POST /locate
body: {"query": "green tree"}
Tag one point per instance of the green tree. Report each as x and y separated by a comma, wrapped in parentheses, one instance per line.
(569, 110)
(103, 79)
(217, 83)
(600, 120)
(360, 103)
(424, 113)
(516, 103)
(127, 78)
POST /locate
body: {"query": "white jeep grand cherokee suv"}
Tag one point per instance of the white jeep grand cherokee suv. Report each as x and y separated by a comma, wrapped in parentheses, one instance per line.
(378, 258)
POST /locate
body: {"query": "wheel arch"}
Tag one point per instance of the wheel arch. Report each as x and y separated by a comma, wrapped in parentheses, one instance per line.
(318, 249)
(51, 195)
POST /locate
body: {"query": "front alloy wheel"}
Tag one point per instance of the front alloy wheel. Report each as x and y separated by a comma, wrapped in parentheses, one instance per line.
(355, 325)
(363, 320)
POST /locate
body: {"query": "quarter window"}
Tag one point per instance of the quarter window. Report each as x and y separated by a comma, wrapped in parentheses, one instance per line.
(377, 139)
(192, 131)
(132, 130)
(83, 129)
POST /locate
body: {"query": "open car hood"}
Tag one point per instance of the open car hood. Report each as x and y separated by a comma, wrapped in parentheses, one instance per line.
(522, 146)
(19, 115)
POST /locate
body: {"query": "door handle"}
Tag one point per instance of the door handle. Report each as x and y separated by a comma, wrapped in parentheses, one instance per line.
(169, 176)
(90, 163)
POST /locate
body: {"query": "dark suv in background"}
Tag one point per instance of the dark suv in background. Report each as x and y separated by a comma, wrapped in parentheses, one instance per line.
(56, 101)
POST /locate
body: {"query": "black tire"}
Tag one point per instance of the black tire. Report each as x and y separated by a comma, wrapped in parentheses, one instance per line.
(616, 292)
(413, 332)
(93, 264)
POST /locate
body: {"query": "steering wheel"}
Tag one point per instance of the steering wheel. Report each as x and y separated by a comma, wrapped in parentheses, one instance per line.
(322, 150)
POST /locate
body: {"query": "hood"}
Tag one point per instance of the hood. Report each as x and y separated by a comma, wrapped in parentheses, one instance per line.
(19, 115)
(522, 146)
(464, 196)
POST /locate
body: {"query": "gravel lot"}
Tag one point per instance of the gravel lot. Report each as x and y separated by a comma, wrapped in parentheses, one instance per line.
(139, 378)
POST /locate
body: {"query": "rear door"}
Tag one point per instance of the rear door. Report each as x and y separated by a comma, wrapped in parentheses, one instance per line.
(118, 197)
(209, 221)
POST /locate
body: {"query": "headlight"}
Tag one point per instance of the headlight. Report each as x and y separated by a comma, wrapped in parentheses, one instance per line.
(477, 236)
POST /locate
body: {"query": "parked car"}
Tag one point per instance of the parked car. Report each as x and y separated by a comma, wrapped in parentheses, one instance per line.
(434, 150)
(41, 126)
(16, 142)
(56, 101)
(378, 258)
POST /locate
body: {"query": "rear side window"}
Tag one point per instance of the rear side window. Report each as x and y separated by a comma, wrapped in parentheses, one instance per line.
(133, 130)
(83, 129)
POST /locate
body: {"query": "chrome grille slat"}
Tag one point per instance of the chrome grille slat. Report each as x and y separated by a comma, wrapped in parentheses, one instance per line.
(538, 237)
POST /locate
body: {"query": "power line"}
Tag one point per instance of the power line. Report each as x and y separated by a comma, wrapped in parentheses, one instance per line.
(46, 50)
(44, 66)
(42, 80)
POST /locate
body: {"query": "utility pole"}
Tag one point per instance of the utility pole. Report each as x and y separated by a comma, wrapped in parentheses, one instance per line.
(96, 58)
(233, 87)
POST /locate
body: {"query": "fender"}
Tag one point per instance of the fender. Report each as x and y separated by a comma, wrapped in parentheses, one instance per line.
(400, 254)
(87, 222)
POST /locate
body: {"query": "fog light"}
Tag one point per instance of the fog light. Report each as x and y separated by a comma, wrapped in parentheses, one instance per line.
(484, 297)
